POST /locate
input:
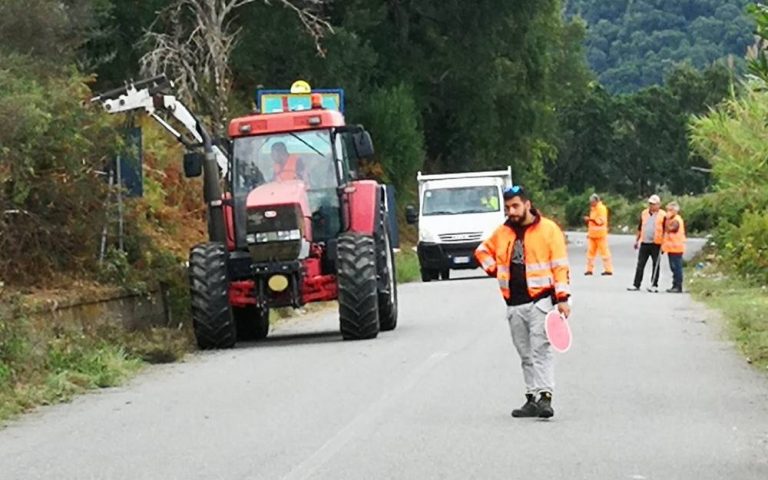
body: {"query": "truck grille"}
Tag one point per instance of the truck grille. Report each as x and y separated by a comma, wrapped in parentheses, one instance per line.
(461, 237)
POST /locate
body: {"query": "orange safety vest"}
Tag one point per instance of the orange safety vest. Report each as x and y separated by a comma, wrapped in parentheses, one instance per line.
(674, 242)
(658, 234)
(546, 258)
(597, 227)
(288, 170)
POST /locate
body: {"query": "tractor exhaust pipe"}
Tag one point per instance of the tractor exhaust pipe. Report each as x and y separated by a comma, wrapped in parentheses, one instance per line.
(212, 190)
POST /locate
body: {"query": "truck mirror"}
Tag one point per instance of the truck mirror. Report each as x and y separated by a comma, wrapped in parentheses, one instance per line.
(193, 164)
(363, 144)
(411, 216)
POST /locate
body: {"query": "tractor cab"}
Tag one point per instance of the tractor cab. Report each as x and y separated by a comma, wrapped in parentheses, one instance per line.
(299, 136)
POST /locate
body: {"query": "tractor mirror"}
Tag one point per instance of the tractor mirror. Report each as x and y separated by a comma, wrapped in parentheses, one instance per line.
(411, 216)
(193, 164)
(363, 144)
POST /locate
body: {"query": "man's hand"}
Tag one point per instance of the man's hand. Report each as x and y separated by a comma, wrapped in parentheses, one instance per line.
(637, 244)
(564, 309)
(586, 219)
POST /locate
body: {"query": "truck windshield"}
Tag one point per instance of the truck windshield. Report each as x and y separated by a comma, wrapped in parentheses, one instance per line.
(461, 200)
(306, 156)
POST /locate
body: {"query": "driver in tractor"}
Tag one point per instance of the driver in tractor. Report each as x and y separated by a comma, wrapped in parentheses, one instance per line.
(286, 166)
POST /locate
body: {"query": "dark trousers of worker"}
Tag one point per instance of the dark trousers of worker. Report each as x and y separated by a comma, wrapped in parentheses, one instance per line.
(676, 265)
(647, 250)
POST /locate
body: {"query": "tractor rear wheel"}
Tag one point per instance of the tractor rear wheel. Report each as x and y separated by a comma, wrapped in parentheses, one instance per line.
(251, 323)
(387, 277)
(358, 287)
(212, 318)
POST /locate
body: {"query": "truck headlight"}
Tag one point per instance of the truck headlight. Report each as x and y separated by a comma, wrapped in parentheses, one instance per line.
(427, 236)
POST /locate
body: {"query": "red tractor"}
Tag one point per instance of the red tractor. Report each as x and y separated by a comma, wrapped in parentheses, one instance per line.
(292, 226)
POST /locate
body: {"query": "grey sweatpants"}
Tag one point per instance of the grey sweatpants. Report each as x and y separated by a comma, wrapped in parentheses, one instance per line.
(526, 322)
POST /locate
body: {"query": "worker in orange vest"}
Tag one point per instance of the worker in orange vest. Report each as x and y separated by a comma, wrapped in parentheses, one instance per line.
(528, 258)
(650, 235)
(286, 166)
(674, 245)
(597, 236)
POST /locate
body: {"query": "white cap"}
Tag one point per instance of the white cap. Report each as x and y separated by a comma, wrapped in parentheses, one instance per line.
(654, 199)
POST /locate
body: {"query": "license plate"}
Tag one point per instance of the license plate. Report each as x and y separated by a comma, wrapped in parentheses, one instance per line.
(460, 260)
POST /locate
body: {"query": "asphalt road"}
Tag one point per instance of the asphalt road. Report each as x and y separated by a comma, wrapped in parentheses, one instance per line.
(651, 390)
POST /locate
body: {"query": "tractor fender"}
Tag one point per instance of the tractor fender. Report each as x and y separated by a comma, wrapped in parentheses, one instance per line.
(363, 197)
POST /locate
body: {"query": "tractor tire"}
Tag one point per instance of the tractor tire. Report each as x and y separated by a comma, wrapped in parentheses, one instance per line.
(212, 318)
(251, 323)
(387, 277)
(358, 287)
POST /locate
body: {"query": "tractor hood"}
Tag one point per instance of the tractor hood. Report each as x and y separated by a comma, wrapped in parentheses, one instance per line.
(278, 222)
(275, 194)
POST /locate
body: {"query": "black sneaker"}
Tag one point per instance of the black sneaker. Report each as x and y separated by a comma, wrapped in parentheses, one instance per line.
(674, 290)
(587, 274)
(633, 289)
(530, 409)
(545, 405)
(606, 274)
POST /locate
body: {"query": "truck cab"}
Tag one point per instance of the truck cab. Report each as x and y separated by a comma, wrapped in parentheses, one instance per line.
(456, 213)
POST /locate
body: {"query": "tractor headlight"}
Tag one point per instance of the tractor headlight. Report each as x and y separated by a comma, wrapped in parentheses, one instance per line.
(274, 236)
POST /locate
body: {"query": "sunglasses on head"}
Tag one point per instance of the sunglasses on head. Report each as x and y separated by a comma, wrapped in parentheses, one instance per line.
(513, 190)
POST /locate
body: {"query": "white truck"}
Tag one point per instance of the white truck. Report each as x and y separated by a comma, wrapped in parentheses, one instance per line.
(457, 211)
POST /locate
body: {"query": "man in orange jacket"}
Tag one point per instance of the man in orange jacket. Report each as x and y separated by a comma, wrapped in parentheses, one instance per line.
(286, 166)
(650, 235)
(597, 236)
(527, 255)
(674, 245)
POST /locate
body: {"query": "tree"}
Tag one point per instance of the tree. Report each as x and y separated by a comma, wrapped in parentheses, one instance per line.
(195, 43)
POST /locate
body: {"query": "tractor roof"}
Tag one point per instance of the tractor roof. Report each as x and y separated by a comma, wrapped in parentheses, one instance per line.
(262, 124)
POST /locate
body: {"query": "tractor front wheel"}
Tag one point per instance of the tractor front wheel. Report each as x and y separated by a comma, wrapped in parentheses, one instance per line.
(251, 323)
(212, 318)
(387, 278)
(358, 287)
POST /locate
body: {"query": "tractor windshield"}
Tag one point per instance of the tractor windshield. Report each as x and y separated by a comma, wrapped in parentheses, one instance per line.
(306, 156)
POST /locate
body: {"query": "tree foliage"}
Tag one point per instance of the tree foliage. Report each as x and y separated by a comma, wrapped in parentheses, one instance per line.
(636, 43)
(637, 144)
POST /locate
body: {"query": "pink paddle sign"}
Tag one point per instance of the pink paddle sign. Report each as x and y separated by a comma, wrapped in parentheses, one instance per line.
(558, 331)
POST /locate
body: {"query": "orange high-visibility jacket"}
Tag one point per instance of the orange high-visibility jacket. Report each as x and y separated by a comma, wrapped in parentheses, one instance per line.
(597, 227)
(546, 259)
(674, 242)
(289, 170)
(658, 234)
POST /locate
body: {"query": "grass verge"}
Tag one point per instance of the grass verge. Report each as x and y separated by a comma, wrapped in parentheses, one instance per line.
(743, 305)
(407, 265)
(51, 363)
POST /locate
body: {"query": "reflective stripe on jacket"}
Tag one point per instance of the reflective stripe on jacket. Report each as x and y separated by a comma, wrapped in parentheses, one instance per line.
(545, 255)
(658, 234)
(674, 242)
(597, 227)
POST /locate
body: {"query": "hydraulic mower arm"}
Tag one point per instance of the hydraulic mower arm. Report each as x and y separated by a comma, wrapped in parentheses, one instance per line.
(148, 95)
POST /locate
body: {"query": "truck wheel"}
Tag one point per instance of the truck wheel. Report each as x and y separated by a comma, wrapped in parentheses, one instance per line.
(428, 275)
(445, 275)
(358, 287)
(212, 318)
(387, 278)
(251, 323)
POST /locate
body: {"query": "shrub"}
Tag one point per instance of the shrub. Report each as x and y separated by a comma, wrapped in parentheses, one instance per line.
(746, 247)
